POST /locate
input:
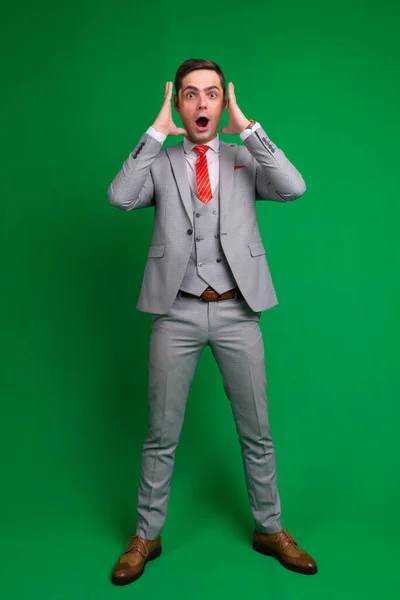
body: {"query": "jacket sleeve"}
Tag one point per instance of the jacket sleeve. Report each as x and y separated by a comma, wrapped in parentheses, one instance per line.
(276, 178)
(133, 185)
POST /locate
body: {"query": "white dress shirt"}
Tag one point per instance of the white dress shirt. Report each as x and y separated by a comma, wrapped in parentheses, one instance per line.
(212, 155)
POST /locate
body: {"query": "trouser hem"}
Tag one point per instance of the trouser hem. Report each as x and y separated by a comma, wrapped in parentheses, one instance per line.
(148, 535)
(272, 529)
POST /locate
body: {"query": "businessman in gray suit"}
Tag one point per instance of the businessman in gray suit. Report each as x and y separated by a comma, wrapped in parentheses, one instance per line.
(206, 282)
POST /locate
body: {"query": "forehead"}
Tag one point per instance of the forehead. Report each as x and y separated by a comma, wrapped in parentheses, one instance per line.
(201, 79)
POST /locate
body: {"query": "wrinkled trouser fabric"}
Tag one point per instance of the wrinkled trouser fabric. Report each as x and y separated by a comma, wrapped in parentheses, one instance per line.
(232, 330)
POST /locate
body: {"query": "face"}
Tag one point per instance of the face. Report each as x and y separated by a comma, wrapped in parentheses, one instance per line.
(200, 103)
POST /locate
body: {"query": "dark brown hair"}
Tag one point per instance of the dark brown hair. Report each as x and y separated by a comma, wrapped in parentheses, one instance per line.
(194, 64)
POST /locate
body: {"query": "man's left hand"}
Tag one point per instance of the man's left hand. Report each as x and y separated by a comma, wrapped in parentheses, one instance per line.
(237, 120)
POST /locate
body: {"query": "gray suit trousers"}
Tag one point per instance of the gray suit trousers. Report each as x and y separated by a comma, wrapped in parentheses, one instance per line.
(232, 330)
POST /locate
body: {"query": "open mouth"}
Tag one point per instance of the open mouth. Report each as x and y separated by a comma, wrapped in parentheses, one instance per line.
(202, 123)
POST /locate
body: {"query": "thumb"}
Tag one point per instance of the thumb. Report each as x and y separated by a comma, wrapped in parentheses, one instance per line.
(226, 130)
(181, 131)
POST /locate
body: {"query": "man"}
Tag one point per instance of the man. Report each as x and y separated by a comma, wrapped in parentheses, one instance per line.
(206, 281)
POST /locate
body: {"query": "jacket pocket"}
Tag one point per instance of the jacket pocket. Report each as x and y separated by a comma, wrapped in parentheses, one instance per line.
(156, 251)
(256, 248)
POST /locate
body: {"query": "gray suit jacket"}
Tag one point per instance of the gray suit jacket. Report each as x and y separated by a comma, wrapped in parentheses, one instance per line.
(152, 176)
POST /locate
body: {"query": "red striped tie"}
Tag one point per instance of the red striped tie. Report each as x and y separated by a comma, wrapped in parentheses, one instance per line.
(202, 176)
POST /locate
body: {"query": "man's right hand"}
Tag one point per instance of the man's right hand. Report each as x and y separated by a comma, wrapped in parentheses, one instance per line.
(164, 123)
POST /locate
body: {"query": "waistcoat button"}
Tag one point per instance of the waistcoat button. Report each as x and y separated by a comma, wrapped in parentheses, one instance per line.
(189, 231)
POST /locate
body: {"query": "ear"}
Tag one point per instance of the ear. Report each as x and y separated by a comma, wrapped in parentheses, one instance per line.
(176, 102)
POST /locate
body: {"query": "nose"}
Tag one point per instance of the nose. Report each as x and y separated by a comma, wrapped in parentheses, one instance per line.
(202, 103)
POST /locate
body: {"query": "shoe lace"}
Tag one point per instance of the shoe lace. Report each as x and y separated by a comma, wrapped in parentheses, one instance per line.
(135, 542)
(285, 535)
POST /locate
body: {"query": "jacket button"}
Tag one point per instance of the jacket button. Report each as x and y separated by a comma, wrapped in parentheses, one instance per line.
(189, 231)
(197, 239)
(218, 260)
(216, 236)
(197, 215)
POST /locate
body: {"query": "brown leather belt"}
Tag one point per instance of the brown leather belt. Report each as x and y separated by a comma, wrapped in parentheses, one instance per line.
(210, 295)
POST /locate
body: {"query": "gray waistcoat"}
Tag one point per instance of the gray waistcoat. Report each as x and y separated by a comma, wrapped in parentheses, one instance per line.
(207, 264)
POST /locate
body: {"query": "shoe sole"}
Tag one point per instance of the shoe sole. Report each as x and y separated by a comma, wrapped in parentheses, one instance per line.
(267, 552)
(125, 580)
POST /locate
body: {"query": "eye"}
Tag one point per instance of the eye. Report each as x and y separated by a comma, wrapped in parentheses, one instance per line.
(189, 94)
(215, 95)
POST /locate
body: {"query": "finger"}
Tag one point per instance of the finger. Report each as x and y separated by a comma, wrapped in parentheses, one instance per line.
(232, 92)
(168, 91)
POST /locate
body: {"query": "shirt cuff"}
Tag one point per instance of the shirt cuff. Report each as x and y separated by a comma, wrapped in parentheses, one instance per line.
(156, 134)
(244, 134)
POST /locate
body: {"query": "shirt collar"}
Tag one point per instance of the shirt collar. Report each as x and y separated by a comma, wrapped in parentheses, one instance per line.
(188, 146)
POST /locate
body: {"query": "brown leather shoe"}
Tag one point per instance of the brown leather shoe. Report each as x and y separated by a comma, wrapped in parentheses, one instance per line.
(130, 566)
(284, 547)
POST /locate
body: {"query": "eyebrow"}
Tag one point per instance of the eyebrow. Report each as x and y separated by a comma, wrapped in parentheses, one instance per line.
(193, 87)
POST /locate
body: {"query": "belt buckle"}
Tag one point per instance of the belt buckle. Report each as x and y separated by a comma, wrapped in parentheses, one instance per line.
(210, 299)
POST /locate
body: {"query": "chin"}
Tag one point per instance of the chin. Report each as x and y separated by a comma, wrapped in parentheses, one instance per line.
(205, 136)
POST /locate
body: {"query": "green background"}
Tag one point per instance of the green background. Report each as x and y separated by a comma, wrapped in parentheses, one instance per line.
(81, 82)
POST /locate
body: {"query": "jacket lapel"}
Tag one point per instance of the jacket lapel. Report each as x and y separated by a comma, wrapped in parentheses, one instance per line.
(176, 156)
(226, 162)
(227, 154)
